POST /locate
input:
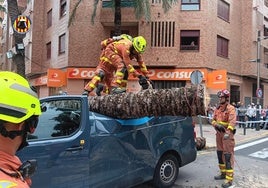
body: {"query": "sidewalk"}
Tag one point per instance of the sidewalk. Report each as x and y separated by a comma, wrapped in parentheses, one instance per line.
(209, 133)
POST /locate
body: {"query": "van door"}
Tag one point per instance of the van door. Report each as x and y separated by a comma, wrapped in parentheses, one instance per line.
(59, 144)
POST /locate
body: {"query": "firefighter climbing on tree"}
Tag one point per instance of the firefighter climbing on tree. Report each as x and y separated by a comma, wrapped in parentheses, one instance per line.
(115, 64)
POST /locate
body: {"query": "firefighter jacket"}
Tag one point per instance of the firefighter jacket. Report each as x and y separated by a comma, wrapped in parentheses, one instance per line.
(120, 51)
(225, 115)
(8, 165)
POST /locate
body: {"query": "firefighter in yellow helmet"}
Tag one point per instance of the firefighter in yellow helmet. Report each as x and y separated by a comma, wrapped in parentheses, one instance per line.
(19, 111)
(224, 120)
(116, 63)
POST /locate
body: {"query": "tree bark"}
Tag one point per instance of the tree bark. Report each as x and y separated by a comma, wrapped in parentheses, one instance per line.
(186, 101)
(117, 18)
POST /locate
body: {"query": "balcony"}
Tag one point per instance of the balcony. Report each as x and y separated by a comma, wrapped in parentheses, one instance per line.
(190, 47)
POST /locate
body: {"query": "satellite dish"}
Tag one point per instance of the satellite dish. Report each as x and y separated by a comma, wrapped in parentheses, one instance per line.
(196, 77)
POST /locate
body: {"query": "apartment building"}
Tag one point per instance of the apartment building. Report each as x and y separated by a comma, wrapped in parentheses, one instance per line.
(219, 37)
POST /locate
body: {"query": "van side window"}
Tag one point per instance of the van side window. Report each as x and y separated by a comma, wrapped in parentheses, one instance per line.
(59, 118)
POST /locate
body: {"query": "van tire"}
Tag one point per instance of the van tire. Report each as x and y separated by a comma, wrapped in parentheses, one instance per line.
(166, 171)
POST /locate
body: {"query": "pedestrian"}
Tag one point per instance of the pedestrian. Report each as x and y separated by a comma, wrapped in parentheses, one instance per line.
(241, 111)
(116, 63)
(224, 121)
(251, 114)
(19, 111)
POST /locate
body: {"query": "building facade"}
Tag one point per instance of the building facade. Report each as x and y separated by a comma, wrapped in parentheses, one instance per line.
(200, 35)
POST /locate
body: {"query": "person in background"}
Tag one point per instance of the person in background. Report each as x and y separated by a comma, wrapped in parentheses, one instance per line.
(224, 121)
(241, 112)
(19, 111)
(251, 114)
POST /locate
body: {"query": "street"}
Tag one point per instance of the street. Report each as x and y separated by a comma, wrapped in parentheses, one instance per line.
(251, 161)
(251, 168)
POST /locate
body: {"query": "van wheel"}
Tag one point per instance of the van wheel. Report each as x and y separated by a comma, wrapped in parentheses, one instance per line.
(166, 171)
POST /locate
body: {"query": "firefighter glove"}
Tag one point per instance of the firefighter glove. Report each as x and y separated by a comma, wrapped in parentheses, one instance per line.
(143, 82)
(226, 136)
(219, 128)
(85, 93)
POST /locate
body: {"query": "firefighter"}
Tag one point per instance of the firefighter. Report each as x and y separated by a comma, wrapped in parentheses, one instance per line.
(19, 111)
(224, 121)
(115, 65)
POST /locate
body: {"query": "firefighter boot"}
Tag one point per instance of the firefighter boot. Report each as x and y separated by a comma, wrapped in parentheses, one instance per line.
(117, 90)
(220, 176)
(229, 171)
(85, 92)
(227, 184)
(221, 166)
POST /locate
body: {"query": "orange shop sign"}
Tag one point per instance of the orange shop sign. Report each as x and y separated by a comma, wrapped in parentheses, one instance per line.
(155, 74)
(56, 78)
(173, 74)
(39, 81)
(217, 79)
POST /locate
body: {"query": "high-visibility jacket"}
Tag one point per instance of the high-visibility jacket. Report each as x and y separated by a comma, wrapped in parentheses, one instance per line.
(9, 164)
(121, 51)
(225, 115)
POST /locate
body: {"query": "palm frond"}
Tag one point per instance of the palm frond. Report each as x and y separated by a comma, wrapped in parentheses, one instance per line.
(3, 9)
(147, 10)
(142, 7)
(72, 16)
(167, 4)
(96, 2)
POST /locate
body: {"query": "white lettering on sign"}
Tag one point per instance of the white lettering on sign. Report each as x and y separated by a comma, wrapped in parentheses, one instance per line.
(81, 73)
(171, 74)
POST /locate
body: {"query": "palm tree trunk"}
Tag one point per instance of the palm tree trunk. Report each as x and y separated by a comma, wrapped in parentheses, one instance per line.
(117, 18)
(186, 101)
(18, 59)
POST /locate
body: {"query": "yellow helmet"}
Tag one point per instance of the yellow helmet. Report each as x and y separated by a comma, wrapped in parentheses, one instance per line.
(18, 101)
(126, 36)
(139, 43)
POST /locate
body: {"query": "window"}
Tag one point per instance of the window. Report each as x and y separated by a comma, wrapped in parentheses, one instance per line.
(112, 33)
(235, 93)
(48, 46)
(265, 31)
(164, 84)
(124, 3)
(63, 6)
(265, 58)
(189, 40)
(190, 4)
(222, 46)
(162, 34)
(59, 118)
(223, 10)
(49, 18)
(62, 44)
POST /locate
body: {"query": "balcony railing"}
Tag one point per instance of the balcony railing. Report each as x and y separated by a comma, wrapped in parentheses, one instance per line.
(189, 47)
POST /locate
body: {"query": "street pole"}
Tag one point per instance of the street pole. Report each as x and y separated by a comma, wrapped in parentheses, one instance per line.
(258, 63)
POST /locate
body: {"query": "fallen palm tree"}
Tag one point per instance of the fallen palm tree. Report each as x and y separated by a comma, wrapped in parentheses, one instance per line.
(185, 101)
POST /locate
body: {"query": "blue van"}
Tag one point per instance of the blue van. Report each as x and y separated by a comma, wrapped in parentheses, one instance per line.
(75, 147)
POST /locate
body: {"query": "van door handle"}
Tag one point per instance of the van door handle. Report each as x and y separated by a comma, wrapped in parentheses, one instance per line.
(75, 148)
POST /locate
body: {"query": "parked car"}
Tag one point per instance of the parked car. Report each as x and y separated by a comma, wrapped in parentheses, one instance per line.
(75, 147)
